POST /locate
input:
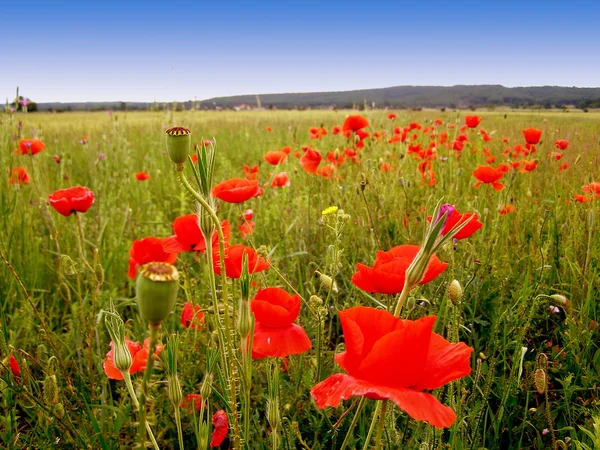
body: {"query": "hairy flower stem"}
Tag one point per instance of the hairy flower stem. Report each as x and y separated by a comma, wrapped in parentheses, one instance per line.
(136, 404)
(179, 430)
(154, 331)
(229, 364)
(380, 424)
(359, 407)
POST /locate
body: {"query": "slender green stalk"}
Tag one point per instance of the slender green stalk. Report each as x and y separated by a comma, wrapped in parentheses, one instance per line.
(381, 424)
(359, 407)
(179, 430)
(229, 353)
(136, 404)
(154, 331)
(374, 422)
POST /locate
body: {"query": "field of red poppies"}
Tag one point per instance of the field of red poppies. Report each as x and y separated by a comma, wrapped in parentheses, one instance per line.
(300, 279)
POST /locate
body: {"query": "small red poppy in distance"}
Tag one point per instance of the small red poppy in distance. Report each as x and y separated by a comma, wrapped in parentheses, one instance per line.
(275, 334)
(532, 135)
(220, 428)
(355, 122)
(192, 316)
(280, 180)
(507, 209)
(14, 366)
(454, 218)
(389, 271)
(391, 116)
(275, 158)
(30, 146)
(139, 356)
(395, 359)
(233, 261)
(251, 173)
(311, 160)
(561, 144)
(472, 121)
(488, 175)
(149, 249)
(236, 190)
(74, 199)
(192, 402)
(142, 176)
(19, 175)
(188, 236)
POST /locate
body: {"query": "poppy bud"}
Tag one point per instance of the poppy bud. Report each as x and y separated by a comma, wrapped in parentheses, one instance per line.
(157, 285)
(50, 390)
(203, 435)
(315, 301)
(174, 391)
(455, 292)
(328, 283)
(273, 415)
(245, 279)
(560, 299)
(539, 380)
(416, 270)
(206, 388)
(244, 322)
(179, 142)
(122, 356)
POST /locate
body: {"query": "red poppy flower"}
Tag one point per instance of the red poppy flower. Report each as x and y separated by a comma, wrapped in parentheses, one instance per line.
(454, 218)
(142, 176)
(275, 158)
(489, 175)
(507, 209)
(280, 180)
(311, 160)
(326, 171)
(564, 167)
(592, 188)
(336, 129)
(192, 316)
(246, 228)
(583, 198)
(56, 159)
(233, 261)
(147, 250)
(287, 150)
(395, 359)
(31, 146)
(236, 190)
(532, 135)
(19, 175)
(220, 428)
(14, 366)
(188, 236)
(275, 334)
(355, 123)
(251, 173)
(269, 129)
(74, 199)
(556, 156)
(385, 167)
(457, 145)
(561, 144)
(248, 214)
(139, 356)
(388, 273)
(391, 116)
(503, 167)
(529, 166)
(472, 121)
(192, 402)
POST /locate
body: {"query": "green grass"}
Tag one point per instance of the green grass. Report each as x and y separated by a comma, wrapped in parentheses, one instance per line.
(548, 245)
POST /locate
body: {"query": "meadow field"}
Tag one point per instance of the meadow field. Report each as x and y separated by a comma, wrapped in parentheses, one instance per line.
(493, 343)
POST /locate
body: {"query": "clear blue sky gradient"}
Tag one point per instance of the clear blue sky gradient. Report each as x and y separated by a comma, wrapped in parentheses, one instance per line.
(145, 51)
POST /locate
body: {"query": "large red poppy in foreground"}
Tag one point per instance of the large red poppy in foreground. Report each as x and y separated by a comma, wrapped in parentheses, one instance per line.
(390, 358)
(236, 190)
(74, 199)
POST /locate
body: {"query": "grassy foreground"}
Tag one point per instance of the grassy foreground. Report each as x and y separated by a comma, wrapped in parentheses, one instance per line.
(53, 292)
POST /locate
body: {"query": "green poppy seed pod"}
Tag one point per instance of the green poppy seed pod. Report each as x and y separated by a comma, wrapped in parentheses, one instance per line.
(455, 292)
(244, 322)
(179, 142)
(50, 390)
(157, 285)
(174, 391)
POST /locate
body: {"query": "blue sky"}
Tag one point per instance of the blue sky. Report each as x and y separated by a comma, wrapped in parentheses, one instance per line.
(145, 51)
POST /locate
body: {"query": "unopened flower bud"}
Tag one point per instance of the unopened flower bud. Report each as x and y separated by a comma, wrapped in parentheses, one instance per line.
(455, 292)
(179, 142)
(560, 299)
(206, 388)
(244, 322)
(328, 283)
(315, 301)
(58, 410)
(273, 415)
(50, 390)
(174, 391)
(122, 356)
(539, 380)
(203, 435)
(157, 285)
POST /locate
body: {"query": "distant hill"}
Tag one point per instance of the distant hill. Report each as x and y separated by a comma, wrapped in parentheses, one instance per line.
(460, 96)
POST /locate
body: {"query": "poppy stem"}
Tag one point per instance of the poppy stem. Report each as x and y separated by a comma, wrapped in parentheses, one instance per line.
(154, 330)
(374, 422)
(402, 299)
(227, 344)
(381, 424)
(136, 404)
(359, 408)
